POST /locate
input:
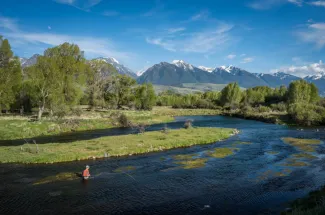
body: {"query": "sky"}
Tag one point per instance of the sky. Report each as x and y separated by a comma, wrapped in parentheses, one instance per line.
(261, 36)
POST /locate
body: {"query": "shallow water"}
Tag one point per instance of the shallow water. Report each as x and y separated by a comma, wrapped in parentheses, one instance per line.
(254, 179)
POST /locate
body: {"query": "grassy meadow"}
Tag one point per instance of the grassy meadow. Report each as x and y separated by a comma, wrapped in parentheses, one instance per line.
(112, 145)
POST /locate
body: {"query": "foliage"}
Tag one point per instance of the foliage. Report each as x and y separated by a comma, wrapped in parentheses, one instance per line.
(99, 72)
(43, 84)
(123, 120)
(145, 97)
(230, 95)
(302, 92)
(10, 75)
(307, 114)
(118, 91)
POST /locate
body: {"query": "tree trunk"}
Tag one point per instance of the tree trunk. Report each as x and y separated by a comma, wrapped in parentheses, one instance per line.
(40, 112)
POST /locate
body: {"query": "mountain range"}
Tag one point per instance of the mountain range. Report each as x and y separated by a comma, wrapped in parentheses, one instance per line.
(178, 72)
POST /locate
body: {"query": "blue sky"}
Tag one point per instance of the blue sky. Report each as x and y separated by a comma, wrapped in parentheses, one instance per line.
(257, 35)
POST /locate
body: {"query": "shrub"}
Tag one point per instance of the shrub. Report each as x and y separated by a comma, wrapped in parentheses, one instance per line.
(123, 121)
(279, 107)
(263, 109)
(188, 124)
(77, 111)
(61, 111)
(307, 114)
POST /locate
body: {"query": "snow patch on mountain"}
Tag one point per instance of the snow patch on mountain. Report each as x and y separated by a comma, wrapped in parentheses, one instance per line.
(207, 69)
(182, 64)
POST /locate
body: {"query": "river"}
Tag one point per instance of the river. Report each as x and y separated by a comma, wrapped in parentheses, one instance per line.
(253, 180)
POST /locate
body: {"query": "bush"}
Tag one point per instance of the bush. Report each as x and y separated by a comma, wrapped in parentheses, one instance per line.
(263, 109)
(188, 124)
(307, 114)
(61, 111)
(77, 111)
(123, 121)
(279, 107)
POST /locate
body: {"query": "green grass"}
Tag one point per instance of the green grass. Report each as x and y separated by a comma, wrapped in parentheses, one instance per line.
(221, 152)
(306, 145)
(113, 145)
(19, 127)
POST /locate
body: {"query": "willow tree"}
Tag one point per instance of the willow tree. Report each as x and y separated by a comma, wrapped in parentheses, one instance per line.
(98, 74)
(145, 97)
(43, 84)
(230, 95)
(10, 75)
(69, 60)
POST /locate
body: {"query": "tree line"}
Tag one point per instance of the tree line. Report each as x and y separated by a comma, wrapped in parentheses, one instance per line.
(300, 100)
(62, 78)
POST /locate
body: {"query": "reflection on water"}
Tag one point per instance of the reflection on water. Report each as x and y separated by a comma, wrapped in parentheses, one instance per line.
(256, 172)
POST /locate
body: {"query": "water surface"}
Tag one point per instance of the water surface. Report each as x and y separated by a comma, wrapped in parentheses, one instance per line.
(251, 173)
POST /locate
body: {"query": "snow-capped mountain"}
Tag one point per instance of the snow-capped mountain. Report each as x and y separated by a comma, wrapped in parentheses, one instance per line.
(277, 79)
(175, 73)
(207, 69)
(140, 72)
(318, 76)
(121, 69)
(26, 62)
(183, 65)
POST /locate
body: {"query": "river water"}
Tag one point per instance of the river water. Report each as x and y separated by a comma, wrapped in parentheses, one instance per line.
(254, 180)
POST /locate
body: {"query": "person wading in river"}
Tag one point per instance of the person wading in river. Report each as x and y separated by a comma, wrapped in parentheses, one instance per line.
(85, 173)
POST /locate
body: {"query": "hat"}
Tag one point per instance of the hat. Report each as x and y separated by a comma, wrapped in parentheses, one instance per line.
(87, 166)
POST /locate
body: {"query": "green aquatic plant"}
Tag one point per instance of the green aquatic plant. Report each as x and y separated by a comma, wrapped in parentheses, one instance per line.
(64, 176)
(193, 164)
(304, 155)
(306, 145)
(222, 152)
(293, 162)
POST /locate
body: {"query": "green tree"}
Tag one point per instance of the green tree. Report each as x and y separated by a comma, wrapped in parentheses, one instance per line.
(118, 91)
(98, 74)
(10, 75)
(44, 84)
(302, 92)
(230, 95)
(71, 64)
(145, 97)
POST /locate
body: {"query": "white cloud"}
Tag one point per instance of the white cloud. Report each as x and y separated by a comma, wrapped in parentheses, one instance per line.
(49, 27)
(175, 30)
(296, 2)
(202, 15)
(92, 46)
(319, 26)
(318, 3)
(231, 56)
(8, 24)
(247, 60)
(314, 33)
(205, 41)
(110, 13)
(303, 71)
(268, 4)
(80, 4)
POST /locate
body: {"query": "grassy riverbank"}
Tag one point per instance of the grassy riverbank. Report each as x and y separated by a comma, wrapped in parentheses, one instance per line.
(274, 117)
(113, 145)
(16, 127)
